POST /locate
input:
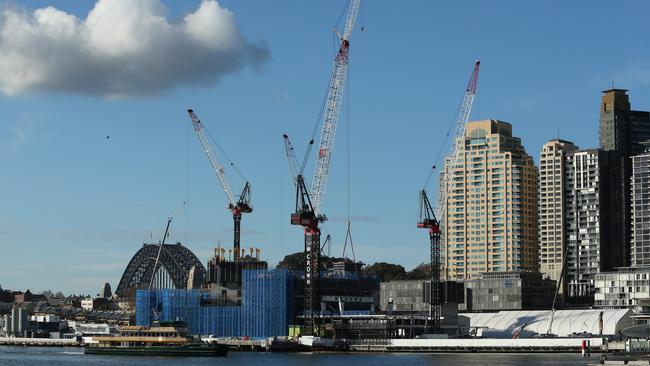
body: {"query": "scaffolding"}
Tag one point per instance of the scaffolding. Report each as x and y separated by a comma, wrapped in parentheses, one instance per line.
(266, 310)
(267, 305)
(188, 306)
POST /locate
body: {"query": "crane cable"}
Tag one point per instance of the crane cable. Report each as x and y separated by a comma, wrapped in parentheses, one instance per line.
(187, 184)
(442, 147)
(348, 233)
(225, 155)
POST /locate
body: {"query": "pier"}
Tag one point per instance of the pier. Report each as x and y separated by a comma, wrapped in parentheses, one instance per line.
(40, 342)
(479, 345)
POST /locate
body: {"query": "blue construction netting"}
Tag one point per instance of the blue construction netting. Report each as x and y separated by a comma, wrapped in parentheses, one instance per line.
(266, 309)
(266, 302)
(185, 305)
(148, 306)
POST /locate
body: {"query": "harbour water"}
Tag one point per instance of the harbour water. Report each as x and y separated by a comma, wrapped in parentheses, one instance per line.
(36, 356)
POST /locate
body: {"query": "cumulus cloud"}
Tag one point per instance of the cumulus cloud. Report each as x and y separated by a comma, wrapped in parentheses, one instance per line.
(122, 48)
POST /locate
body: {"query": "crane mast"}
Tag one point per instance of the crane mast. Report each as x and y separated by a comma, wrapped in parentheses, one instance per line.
(429, 221)
(237, 207)
(308, 202)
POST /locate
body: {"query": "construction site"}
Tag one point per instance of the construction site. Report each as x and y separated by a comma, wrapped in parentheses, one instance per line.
(335, 306)
(238, 295)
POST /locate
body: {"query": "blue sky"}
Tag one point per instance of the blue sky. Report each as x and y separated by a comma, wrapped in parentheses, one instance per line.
(76, 205)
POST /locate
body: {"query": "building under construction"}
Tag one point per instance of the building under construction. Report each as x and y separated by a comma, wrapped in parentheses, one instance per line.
(225, 277)
(265, 310)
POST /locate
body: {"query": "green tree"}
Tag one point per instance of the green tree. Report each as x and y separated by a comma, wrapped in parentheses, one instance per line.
(421, 272)
(294, 261)
(386, 271)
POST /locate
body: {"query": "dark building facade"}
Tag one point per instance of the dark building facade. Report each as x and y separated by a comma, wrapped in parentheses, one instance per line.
(496, 291)
(414, 296)
(622, 130)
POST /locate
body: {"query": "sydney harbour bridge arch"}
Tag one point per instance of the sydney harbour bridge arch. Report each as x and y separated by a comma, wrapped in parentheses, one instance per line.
(177, 268)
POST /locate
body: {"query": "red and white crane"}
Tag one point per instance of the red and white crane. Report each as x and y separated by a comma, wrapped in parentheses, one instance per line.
(308, 203)
(428, 219)
(236, 205)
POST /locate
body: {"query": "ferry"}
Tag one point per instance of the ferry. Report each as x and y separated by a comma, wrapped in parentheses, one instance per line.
(162, 339)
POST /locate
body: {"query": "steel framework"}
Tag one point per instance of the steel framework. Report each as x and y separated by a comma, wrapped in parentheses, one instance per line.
(458, 142)
(429, 221)
(177, 260)
(332, 109)
(236, 205)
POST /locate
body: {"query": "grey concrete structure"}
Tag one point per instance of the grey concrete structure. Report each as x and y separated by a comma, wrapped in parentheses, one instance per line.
(640, 188)
(402, 296)
(594, 240)
(508, 291)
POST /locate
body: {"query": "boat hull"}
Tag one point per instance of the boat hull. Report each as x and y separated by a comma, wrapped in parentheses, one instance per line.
(183, 351)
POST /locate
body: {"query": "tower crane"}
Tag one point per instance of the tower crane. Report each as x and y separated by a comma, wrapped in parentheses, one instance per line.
(308, 203)
(428, 219)
(459, 136)
(237, 206)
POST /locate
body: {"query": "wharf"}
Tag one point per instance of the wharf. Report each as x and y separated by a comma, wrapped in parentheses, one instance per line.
(39, 342)
(527, 345)
(262, 345)
(245, 345)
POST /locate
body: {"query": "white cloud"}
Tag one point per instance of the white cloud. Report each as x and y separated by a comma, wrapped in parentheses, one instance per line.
(122, 48)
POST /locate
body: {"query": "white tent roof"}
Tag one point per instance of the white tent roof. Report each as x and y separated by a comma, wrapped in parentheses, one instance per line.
(505, 324)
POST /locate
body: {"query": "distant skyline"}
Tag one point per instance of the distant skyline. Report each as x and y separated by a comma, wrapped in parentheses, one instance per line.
(97, 149)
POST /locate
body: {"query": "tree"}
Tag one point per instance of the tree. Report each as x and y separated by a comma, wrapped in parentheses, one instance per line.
(386, 271)
(421, 272)
(294, 261)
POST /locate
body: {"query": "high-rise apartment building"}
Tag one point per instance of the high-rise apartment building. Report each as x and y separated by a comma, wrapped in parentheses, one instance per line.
(592, 230)
(552, 213)
(640, 187)
(490, 222)
(623, 130)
